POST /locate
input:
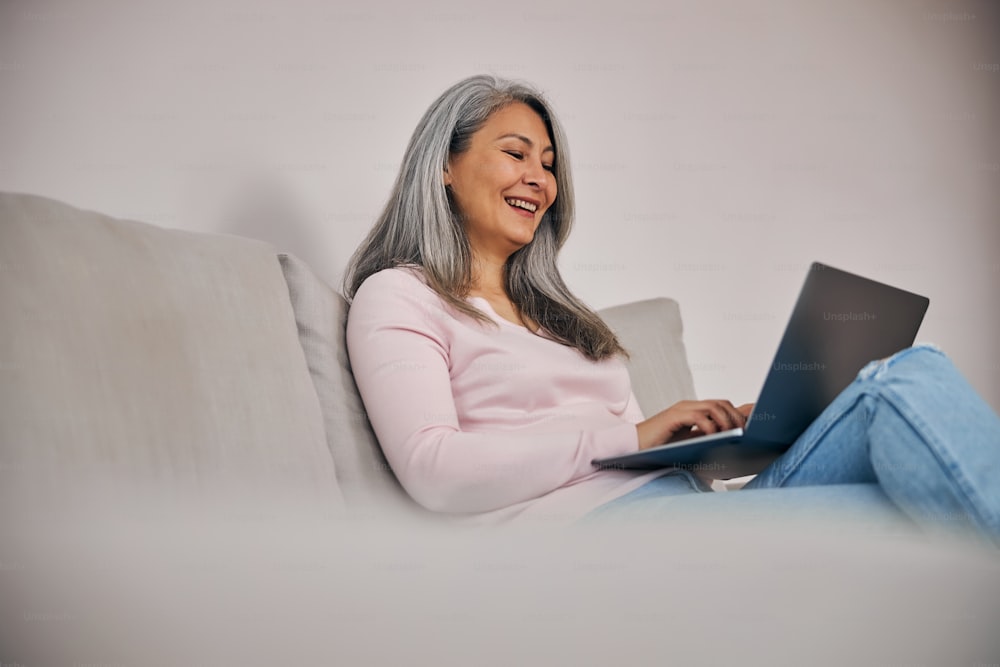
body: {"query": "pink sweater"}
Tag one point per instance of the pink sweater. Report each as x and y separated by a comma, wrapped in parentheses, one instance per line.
(487, 423)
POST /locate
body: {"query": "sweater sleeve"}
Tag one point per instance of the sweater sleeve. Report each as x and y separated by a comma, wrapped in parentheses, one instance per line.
(399, 354)
(633, 412)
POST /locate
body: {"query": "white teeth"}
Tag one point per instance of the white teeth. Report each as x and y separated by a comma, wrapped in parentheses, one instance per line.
(520, 203)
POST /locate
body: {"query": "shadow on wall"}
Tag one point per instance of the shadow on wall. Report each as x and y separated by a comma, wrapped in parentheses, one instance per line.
(264, 209)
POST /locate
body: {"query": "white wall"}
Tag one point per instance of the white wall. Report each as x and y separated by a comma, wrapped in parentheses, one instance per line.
(718, 147)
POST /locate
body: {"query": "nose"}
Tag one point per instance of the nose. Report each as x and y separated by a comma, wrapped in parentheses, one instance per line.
(536, 175)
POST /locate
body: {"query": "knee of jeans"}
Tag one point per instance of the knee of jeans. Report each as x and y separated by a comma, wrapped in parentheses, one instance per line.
(877, 369)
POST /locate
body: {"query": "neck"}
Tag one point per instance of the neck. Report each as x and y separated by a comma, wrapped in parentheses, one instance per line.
(488, 275)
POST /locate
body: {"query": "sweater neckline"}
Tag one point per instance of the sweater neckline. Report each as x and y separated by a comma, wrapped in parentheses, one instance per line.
(499, 319)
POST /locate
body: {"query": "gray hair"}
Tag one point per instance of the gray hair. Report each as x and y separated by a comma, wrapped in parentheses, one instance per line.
(419, 226)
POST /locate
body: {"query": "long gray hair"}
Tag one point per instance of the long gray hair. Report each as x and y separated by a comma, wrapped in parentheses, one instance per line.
(419, 226)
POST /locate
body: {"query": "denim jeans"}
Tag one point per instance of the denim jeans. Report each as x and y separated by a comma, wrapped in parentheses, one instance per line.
(908, 440)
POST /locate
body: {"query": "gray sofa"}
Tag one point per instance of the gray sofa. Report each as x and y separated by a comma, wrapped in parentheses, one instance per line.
(187, 475)
(172, 356)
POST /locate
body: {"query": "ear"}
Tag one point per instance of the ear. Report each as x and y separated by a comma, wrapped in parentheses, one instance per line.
(447, 176)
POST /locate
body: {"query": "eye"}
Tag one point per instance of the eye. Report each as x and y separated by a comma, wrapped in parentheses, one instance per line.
(549, 167)
(517, 155)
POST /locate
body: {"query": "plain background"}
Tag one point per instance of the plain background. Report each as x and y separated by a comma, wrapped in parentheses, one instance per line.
(718, 148)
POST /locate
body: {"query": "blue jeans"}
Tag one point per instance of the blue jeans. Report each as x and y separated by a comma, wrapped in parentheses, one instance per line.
(908, 440)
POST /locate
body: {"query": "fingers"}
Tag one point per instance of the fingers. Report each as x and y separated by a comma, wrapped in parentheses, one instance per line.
(703, 421)
(706, 416)
(713, 416)
(726, 415)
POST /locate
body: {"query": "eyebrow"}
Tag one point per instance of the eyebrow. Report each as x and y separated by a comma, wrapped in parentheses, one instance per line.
(547, 149)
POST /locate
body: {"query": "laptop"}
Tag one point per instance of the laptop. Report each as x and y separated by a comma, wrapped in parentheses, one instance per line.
(840, 322)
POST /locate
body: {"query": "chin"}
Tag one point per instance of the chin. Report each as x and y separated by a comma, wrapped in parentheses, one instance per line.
(522, 242)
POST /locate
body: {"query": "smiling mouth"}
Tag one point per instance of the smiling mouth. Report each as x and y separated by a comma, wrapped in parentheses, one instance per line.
(521, 204)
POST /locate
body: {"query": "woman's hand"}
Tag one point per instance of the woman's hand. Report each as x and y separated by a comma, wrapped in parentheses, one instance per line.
(691, 418)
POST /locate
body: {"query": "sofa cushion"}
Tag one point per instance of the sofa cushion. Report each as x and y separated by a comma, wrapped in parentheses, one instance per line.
(364, 474)
(138, 356)
(652, 333)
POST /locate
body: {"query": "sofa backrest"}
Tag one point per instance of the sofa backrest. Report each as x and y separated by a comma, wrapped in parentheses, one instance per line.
(132, 355)
(365, 477)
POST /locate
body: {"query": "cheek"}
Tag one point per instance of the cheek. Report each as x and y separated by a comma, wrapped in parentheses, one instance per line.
(504, 172)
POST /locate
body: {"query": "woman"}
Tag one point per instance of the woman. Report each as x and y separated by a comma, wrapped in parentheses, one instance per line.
(491, 387)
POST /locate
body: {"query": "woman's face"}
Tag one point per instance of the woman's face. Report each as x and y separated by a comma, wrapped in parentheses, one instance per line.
(504, 182)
